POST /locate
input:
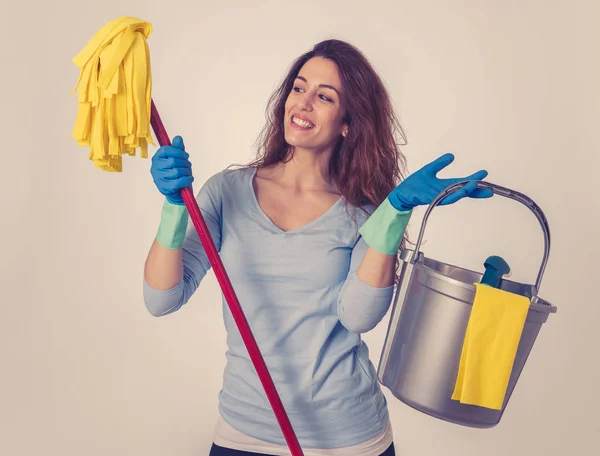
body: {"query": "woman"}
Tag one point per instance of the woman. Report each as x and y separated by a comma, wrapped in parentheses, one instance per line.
(309, 235)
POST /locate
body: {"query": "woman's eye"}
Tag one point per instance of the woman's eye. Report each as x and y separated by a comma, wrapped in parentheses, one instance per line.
(321, 96)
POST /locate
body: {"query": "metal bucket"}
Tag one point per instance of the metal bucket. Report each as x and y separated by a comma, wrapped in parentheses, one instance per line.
(431, 309)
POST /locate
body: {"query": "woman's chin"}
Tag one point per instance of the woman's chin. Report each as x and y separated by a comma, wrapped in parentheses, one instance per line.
(294, 141)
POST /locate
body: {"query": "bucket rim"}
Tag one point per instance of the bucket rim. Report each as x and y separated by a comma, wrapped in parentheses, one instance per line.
(537, 303)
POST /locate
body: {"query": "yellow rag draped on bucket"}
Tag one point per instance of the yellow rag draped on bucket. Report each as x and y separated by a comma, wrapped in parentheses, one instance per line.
(115, 90)
(491, 341)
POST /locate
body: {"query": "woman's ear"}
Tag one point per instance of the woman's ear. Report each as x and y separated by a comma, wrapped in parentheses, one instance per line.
(345, 131)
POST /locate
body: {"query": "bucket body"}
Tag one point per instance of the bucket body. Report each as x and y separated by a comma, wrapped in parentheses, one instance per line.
(426, 334)
(422, 350)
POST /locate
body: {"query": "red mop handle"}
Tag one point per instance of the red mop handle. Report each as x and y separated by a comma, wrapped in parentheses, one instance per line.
(232, 300)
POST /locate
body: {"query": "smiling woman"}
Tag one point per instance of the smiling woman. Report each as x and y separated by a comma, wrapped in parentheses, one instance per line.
(314, 113)
(309, 234)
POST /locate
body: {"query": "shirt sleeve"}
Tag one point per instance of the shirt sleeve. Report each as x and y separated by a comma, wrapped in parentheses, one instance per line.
(361, 306)
(195, 260)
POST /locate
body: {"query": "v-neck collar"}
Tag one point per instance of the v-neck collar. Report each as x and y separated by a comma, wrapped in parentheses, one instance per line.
(311, 224)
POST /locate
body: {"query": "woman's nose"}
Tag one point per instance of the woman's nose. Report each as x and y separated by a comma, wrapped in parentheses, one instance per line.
(306, 101)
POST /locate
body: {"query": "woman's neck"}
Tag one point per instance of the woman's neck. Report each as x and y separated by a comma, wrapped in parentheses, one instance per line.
(306, 171)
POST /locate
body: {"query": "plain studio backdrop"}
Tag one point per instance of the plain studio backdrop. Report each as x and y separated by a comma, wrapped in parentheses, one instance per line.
(509, 86)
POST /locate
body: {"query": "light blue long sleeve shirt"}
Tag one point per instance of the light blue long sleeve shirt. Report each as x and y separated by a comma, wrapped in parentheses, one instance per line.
(306, 308)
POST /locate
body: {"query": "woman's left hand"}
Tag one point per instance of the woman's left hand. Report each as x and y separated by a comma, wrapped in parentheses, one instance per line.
(421, 187)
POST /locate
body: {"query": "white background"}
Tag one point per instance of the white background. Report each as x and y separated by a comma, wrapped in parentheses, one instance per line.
(509, 86)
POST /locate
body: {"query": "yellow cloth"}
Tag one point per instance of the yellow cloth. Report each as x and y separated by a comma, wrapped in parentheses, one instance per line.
(491, 341)
(115, 90)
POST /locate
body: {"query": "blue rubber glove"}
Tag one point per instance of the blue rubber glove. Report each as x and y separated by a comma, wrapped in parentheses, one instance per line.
(172, 170)
(384, 229)
(421, 187)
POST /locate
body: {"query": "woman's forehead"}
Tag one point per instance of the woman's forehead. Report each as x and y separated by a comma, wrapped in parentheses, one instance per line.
(321, 71)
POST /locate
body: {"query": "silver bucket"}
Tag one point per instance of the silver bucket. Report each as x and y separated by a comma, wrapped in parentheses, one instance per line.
(428, 322)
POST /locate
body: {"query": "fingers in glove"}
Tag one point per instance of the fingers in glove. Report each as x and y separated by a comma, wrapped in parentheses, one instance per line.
(465, 190)
(170, 152)
(172, 185)
(439, 164)
(482, 193)
(176, 173)
(178, 143)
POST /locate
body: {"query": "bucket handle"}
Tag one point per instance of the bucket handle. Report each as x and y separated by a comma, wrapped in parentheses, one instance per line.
(502, 191)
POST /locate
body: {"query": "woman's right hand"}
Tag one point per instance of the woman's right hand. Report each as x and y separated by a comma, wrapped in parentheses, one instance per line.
(171, 170)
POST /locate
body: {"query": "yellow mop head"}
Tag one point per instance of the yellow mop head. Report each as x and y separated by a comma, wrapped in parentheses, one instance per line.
(115, 93)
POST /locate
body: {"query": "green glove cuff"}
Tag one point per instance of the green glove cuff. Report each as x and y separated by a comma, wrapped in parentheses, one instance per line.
(384, 229)
(173, 226)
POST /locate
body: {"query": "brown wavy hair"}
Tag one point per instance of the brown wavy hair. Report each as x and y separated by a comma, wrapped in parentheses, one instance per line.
(367, 164)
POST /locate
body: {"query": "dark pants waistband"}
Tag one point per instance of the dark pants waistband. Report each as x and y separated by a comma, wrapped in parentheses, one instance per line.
(216, 450)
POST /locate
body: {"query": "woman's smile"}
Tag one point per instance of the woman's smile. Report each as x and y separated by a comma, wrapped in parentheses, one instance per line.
(301, 123)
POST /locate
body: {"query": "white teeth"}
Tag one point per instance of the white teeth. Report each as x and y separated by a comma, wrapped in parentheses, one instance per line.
(302, 123)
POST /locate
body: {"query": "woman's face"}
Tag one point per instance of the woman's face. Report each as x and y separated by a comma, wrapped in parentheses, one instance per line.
(314, 109)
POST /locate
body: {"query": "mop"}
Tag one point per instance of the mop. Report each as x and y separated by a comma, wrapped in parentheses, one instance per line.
(115, 110)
